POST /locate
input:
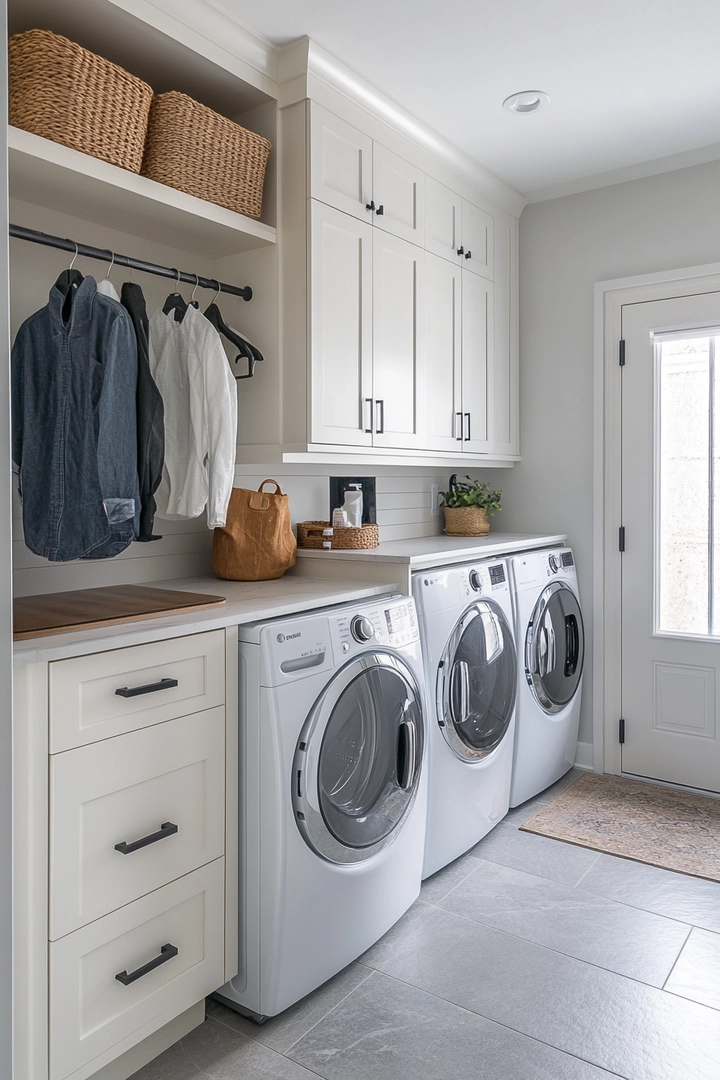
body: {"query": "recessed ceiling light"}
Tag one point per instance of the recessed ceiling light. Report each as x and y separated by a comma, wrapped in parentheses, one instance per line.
(526, 101)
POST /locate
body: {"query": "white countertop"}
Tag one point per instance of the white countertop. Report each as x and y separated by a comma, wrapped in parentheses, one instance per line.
(247, 601)
(442, 550)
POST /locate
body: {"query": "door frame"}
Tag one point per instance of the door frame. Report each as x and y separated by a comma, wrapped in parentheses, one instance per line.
(610, 297)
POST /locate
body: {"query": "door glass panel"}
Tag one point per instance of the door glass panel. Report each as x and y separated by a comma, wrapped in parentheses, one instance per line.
(559, 648)
(361, 757)
(687, 587)
(483, 680)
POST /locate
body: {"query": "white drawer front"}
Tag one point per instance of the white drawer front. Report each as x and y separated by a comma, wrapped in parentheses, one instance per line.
(85, 706)
(91, 1011)
(123, 790)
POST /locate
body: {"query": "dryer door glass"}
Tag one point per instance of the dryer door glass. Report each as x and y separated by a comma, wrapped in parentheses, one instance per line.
(362, 759)
(555, 647)
(478, 681)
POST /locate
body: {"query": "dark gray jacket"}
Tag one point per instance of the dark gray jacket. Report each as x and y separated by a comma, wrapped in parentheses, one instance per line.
(74, 376)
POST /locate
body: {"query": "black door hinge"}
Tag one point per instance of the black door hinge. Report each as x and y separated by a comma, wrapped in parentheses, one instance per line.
(621, 538)
(621, 730)
(621, 353)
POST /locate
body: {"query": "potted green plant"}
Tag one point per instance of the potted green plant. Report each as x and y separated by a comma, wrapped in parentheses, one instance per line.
(468, 505)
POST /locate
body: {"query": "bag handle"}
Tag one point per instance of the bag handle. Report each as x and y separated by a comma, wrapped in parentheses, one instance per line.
(259, 500)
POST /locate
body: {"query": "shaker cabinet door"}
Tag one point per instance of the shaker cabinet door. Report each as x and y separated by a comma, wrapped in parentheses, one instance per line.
(442, 221)
(477, 361)
(442, 423)
(398, 331)
(399, 195)
(340, 164)
(340, 328)
(477, 240)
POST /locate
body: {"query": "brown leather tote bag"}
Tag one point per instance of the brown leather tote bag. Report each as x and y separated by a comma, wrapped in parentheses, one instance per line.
(257, 541)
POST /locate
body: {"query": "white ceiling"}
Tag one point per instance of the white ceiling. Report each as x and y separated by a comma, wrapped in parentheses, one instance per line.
(629, 81)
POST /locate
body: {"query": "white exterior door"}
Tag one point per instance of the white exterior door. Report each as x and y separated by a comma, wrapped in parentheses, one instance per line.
(477, 362)
(477, 240)
(442, 427)
(398, 331)
(671, 563)
(399, 195)
(340, 328)
(442, 220)
(340, 164)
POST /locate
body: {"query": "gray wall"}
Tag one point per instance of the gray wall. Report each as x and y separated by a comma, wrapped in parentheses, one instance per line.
(566, 246)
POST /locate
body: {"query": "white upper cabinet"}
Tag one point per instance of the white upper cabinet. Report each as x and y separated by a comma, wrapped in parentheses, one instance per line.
(504, 403)
(477, 240)
(443, 209)
(398, 195)
(341, 396)
(398, 308)
(477, 363)
(441, 390)
(341, 169)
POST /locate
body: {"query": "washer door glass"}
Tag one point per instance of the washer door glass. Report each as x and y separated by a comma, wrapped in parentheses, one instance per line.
(555, 647)
(357, 776)
(478, 681)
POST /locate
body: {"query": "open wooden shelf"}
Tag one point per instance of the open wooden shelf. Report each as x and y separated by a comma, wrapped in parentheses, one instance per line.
(54, 176)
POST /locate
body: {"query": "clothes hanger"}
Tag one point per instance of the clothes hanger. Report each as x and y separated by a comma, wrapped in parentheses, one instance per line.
(175, 302)
(71, 278)
(247, 351)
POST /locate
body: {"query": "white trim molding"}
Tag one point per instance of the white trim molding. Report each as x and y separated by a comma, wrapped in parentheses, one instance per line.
(610, 296)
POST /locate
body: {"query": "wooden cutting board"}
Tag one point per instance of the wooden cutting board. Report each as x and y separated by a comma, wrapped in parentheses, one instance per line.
(83, 609)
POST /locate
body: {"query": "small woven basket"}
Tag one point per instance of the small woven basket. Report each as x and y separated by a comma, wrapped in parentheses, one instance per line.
(193, 149)
(466, 521)
(310, 535)
(62, 92)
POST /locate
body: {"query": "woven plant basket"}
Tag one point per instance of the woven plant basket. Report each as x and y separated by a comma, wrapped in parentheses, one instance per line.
(466, 521)
(193, 149)
(310, 535)
(61, 91)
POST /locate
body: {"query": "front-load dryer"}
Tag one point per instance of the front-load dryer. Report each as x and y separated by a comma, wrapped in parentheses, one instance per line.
(332, 794)
(551, 645)
(465, 615)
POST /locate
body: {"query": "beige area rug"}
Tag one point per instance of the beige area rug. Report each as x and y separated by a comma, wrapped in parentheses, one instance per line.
(657, 825)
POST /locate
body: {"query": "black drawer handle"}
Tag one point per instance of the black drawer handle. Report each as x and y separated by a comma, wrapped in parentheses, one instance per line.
(166, 953)
(166, 829)
(151, 688)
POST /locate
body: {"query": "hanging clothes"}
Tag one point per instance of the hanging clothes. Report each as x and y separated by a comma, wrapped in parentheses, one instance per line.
(150, 414)
(188, 363)
(74, 374)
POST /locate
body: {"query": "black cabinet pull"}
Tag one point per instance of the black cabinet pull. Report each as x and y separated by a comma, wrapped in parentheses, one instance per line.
(380, 423)
(168, 828)
(369, 401)
(166, 953)
(468, 254)
(151, 688)
(467, 426)
(380, 210)
(370, 205)
(461, 250)
(458, 427)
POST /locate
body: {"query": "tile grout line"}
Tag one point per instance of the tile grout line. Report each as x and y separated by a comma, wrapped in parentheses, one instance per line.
(675, 961)
(582, 876)
(330, 1011)
(246, 1038)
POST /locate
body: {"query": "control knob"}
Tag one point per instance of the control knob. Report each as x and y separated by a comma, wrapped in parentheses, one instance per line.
(554, 564)
(361, 628)
(476, 581)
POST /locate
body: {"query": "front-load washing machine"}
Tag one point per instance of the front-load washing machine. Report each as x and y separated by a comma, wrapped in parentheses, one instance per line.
(332, 794)
(465, 615)
(551, 646)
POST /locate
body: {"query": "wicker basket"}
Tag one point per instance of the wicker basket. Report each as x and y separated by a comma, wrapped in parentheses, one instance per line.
(310, 535)
(63, 92)
(193, 149)
(466, 521)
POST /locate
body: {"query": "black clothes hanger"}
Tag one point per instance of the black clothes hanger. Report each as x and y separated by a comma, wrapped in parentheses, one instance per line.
(247, 351)
(177, 303)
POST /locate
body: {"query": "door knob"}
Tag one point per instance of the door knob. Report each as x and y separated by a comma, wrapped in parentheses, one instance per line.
(380, 209)
(370, 205)
(461, 250)
(468, 254)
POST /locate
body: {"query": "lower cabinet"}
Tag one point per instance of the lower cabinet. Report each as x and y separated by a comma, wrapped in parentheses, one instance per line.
(111, 979)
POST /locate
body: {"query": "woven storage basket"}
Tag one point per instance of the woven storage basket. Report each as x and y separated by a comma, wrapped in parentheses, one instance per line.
(466, 521)
(309, 535)
(193, 149)
(61, 91)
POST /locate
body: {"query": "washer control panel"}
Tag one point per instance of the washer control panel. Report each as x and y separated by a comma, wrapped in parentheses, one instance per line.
(486, 579)
(392, 623)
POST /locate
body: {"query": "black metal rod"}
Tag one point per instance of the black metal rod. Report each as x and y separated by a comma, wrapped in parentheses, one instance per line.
(105, 255)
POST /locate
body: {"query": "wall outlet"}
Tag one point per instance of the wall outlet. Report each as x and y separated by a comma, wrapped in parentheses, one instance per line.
(435, 498)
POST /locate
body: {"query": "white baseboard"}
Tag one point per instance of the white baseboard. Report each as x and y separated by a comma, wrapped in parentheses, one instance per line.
(584, 756)
(154, 1045)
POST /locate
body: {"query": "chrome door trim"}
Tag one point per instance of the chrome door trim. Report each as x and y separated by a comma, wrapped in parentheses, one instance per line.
(305, 797)
(540, 648)
(445, 682)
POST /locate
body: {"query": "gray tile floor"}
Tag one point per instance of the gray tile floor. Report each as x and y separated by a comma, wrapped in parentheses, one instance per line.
(527, 959)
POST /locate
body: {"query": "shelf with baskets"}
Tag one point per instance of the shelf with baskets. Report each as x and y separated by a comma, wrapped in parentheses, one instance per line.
(51, 175)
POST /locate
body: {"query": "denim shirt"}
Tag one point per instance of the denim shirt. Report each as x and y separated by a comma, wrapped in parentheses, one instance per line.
(74, 375)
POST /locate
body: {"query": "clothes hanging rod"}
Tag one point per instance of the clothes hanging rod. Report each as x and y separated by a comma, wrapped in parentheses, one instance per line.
(105, 255)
